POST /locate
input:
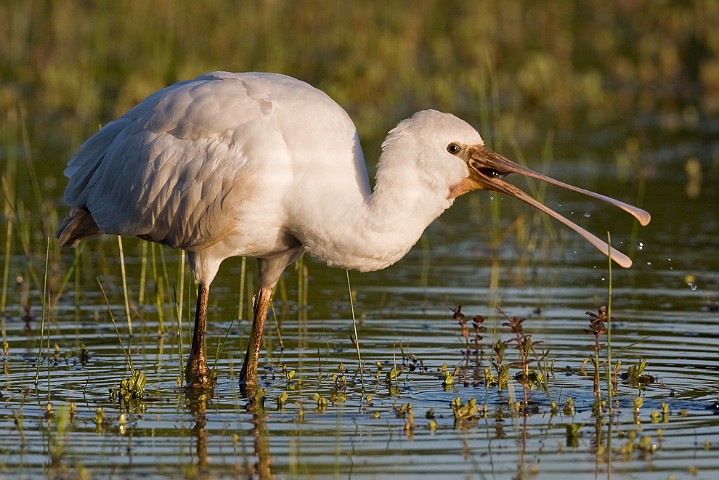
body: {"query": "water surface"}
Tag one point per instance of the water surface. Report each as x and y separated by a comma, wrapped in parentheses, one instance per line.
(339, 423)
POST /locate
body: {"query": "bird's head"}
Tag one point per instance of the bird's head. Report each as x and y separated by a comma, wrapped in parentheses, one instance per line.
(455, 141)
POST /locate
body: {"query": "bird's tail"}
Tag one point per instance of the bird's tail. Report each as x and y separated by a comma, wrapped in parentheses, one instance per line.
(79, 225)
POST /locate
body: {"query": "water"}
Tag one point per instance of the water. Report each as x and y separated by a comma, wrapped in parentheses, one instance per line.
(665, 311)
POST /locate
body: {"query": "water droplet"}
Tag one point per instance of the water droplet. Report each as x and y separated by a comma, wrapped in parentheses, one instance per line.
(587, 214)
(649, 263)
(692, 286)
(491, 197)
(640, 247)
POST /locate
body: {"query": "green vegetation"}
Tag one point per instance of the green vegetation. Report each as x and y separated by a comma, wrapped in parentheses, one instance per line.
(68, 67)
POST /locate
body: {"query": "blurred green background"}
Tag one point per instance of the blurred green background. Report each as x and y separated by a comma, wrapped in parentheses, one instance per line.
(513, 68)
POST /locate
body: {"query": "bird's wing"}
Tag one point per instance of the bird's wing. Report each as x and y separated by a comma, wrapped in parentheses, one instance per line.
(170, 168)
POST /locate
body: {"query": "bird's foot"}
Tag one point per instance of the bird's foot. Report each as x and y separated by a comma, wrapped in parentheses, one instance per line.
(198, 376)
(200, 382)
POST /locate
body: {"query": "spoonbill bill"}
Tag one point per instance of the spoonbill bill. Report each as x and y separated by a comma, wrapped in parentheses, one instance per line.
(264, 165)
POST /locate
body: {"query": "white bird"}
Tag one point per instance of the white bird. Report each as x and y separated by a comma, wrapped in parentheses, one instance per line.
(263, 165)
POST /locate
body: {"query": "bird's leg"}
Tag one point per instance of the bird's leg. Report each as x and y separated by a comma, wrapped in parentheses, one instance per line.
(196, 371)
(248, 375)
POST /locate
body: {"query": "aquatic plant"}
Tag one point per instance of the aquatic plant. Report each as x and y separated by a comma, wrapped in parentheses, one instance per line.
(635, 375)
(597, 328)
(130, 389)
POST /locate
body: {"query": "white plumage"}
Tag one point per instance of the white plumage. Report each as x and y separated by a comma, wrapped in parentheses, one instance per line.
(266, 166)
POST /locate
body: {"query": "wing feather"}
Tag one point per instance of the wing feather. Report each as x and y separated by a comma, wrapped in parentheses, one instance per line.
(162, 170)
(185, 165)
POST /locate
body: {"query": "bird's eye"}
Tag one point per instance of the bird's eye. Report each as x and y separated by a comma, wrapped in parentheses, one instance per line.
(453, 148)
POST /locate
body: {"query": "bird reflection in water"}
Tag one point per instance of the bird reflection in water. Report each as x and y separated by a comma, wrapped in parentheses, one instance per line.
(258, 465)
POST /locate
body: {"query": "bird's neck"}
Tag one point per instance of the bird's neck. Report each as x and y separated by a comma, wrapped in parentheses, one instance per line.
(379, 230)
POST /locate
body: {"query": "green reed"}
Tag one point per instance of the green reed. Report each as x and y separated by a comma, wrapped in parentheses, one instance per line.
(43, 318)
(179, 296)
(8, 189)
(126, 351)
(609, 324)
(143, 274)
(161, 287)
(221, 342)
(355, 337)
(125, 292)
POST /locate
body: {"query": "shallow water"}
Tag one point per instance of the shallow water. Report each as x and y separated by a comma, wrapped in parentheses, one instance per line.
(665, 311)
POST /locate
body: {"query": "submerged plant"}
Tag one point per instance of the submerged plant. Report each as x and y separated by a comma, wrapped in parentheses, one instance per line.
(447, 379)
(130, 389)
(471, 343)
(99, 420)
(502, 370)
(84, 355)
(569, 407)
(392, 375)
(597, 327)
(466, 413)
(321, 402)
(527, 377)
(58, 441)
(470, 338)
(281, 400)
(635, 375)
(462, 321)
(572, 436)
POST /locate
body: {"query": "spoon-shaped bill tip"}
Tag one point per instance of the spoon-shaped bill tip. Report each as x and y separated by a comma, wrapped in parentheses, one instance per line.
(598, 243)
(489, 169)
(643, 216)
(620, 258)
